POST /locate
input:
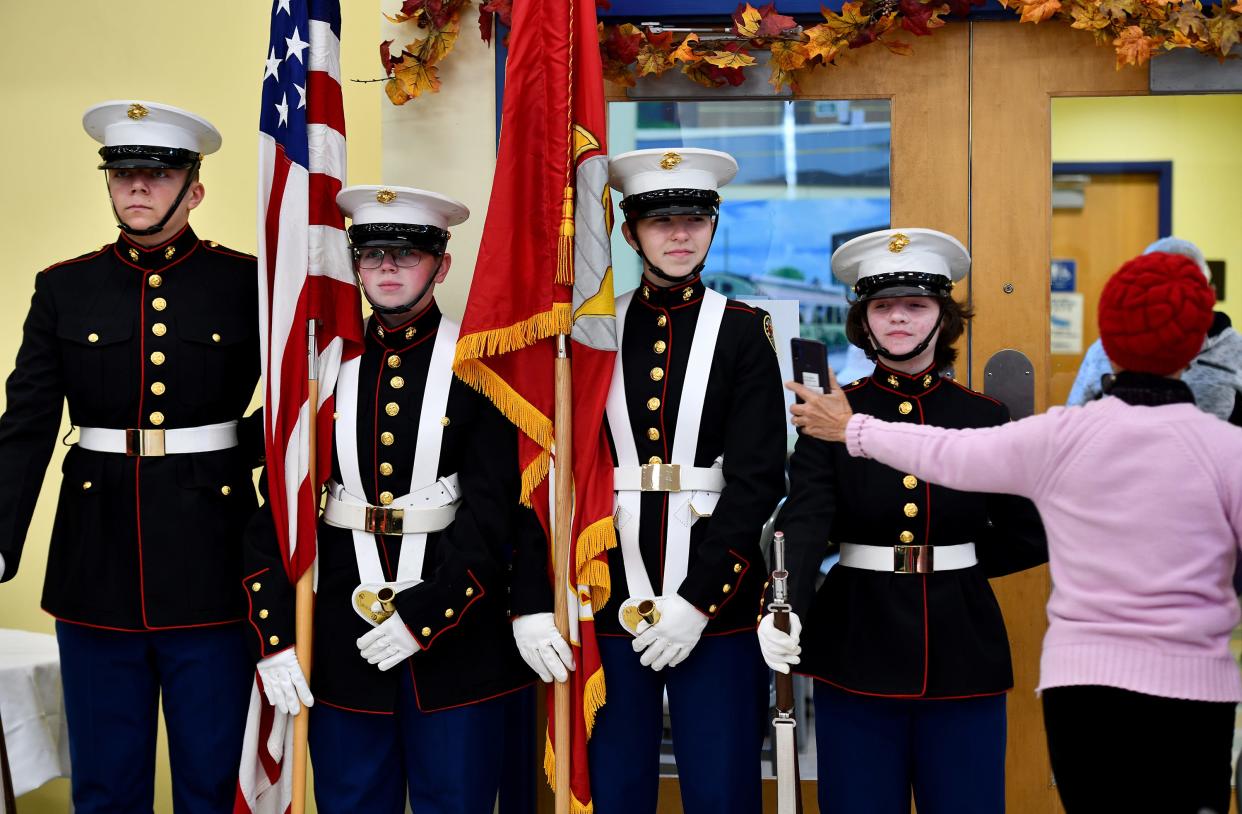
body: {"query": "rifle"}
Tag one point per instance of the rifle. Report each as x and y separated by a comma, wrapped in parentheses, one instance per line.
(788, 785)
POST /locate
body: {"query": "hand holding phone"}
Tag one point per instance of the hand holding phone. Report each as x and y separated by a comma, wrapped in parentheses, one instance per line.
(810, 364)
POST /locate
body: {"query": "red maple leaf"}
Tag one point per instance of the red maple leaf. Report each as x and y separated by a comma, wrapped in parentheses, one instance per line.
(386, 56)
(774, 25)
(961, 8)
(490, 10)
(919, 17)
(622, 43)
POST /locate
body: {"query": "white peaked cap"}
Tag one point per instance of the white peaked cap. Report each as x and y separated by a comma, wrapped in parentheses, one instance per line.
(369, 203)
(150, 124)
(890, 251)
(640, 171)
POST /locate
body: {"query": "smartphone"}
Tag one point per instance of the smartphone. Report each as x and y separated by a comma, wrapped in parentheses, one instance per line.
(810, 364)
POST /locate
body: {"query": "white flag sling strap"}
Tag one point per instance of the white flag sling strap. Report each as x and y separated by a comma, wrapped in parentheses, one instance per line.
(699, 487)
(431, 502)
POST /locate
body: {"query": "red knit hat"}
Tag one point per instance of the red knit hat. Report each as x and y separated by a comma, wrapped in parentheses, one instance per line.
(1154, 313)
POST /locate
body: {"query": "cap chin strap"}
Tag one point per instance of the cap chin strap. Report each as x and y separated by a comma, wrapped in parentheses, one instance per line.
(910, 354)
(390, 310)
(656, 270)
(151, 230)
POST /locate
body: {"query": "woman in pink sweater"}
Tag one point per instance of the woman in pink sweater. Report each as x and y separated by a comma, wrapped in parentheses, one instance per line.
(1141, 496)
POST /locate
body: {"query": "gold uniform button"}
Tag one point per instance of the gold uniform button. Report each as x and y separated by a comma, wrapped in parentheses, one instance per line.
(275, 640)
(653, 434)
(158, 388)
(654, 459)
(653, 404)
(159, 303)
(657, 374)
(226, 490)
(444, 422)
(385, 468)
(256, 586)
(159, 329)
(470, 592)
(661, 320)
(392, 408)
(92, 338)
(659, 346)
(909, 481)
(910, 510)
(386, 439)
(397, 382)
(263, 613)
(906, 537)
(394, 361)
(426, 632)
(448, 613)
(737, 568)
(724, 589)
(711, 608)
(215, 338)
(86, 486)
(157, 418)
(157, 358)
(905, 407)
(155, 281)
(385, 498)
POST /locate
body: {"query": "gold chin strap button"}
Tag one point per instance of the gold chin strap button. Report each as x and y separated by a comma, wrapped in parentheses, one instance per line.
(910, 510)
(909, 481)
(906, 537)
(905, 407)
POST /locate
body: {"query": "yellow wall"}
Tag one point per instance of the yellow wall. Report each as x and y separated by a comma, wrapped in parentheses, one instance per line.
(1195, 133)
(59, 58)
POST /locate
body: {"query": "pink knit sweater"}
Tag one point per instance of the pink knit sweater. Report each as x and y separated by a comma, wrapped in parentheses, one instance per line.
(1143, 509)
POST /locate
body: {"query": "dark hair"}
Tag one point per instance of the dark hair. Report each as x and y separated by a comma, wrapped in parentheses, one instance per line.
(954, 316)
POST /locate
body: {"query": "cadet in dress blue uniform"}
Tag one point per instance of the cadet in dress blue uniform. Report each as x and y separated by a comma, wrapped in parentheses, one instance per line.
(153, 341)
(904, 639)
(695, 416)
(413, 646)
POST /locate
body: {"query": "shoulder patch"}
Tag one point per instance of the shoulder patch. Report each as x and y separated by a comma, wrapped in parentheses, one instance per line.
(768, 332)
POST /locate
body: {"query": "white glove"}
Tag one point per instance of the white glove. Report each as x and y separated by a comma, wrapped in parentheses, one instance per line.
(284, 683)
(670, 640)
(780, 649)
(1, 566)
(389, 644)
(543, 647)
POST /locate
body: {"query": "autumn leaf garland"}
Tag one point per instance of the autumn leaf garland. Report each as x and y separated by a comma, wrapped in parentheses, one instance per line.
(1136, 29)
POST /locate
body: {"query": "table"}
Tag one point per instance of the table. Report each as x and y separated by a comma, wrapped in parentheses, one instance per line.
(33, 709)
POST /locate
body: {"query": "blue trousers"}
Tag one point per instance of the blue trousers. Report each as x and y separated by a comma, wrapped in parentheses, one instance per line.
(873, 751)
(717, 700)
(450, 761)
(113, 681)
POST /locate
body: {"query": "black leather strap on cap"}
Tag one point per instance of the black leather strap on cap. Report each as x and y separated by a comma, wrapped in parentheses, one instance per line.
(138, 156)
(903, 284)
(661, 202)
(430, 239)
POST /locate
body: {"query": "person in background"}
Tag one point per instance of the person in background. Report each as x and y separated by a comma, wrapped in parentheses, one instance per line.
(904, 638)
(1141, 494)
(1214, 376)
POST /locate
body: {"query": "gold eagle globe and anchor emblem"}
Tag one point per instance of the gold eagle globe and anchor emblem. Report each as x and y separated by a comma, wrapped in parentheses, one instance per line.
(385, 196)
(137, 111)
(670, 160)
(898, 243)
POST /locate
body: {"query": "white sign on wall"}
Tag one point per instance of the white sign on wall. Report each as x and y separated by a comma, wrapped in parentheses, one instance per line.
(1066, 310)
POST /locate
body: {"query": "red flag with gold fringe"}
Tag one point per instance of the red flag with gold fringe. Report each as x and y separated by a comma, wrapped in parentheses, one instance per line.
(545, 269)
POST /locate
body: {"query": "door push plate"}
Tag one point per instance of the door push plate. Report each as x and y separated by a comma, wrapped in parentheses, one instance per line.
(1009, 377)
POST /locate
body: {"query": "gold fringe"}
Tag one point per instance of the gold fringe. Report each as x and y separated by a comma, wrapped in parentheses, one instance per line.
(533, 475)
(576, 806)
(594, 540)
(595, 573)
(557, 320)
(565, 243)
(593, 698)
(515, 408)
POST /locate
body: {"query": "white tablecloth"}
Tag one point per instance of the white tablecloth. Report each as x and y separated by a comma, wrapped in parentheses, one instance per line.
(33, 709)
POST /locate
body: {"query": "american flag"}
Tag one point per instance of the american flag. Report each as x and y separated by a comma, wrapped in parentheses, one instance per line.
(304, 273)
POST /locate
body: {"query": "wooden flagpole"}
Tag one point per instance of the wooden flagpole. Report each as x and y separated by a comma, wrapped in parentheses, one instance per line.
(304, 623)
(560, 552)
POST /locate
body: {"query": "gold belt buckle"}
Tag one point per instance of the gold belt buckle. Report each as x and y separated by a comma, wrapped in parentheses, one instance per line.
(660, 478)
(144, 443)
(380, 520)
(912, 559)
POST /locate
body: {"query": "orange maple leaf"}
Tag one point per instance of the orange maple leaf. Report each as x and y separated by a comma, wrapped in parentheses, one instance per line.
(849, 22)
(1036, 11)
(1134, 47)
(416, 77)
(747, 23)
(729, 59)
(1223, 30)
(395, 94)
(686, 53)
(788, 55)
(437, 44)
(1087, 17)
(825, 44)
(652, 60)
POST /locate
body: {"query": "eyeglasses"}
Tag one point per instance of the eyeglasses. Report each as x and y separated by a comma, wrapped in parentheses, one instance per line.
(373, 257)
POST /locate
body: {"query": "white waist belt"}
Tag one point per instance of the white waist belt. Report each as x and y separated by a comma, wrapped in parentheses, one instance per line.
(668, 478)
(908, 559)
(155, 443)
(431, 508)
